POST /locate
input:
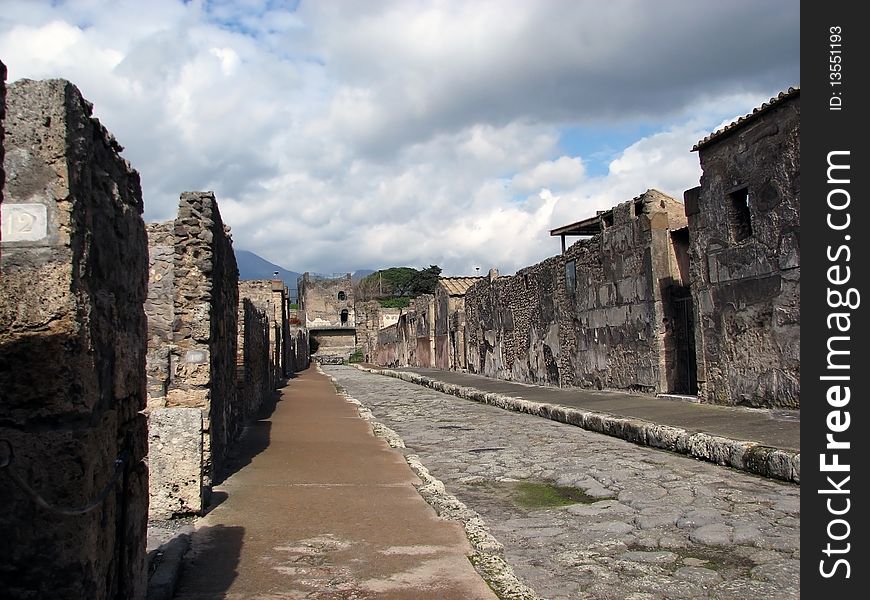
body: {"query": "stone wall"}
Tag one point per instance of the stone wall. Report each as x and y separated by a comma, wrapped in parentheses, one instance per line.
(297, 351)
(160, 309)
(322, 300)
(411, 341)
(255, 370)
(326, 308)
(450, 347)
(745, 270)
(72, 354)
(387, 350)
(191, 428)
(423, 331)
(607, 330)
(368, 323)
(2, 117)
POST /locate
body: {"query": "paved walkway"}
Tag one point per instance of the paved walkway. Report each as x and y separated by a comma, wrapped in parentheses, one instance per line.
(319, 508)
(774, 428)
(764, 442)
(647, 525)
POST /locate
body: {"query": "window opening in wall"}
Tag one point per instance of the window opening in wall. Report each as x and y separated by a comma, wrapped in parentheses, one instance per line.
(344, 317)
(342, 296)
(739, 217)
(570, 277)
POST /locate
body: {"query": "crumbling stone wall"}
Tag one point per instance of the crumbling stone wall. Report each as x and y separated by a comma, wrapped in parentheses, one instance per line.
(423, 332)
(606, 330)
(191, 429)
(411, 341)
(326, 308)
(2, 117)
(322, 300)
(387, 353)
(745, 266)
(297, 349)
(72, 354)
(368, 323)
(255, 369)
(160, 309)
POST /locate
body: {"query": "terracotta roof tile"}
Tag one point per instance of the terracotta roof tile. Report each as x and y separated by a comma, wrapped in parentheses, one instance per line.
(457, 286)
(775, 101)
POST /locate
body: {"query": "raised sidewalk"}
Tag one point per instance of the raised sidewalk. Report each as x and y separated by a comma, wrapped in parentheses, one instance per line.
(318, 507)
(764, 442)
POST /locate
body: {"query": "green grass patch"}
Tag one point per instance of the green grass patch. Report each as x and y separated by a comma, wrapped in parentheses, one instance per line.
(544, 495)
(356, 357)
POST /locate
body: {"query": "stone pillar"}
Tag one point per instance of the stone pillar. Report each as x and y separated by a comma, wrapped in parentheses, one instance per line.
(72, 354)
(188, 442)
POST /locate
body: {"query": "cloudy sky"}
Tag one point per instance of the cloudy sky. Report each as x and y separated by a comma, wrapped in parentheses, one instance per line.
(340, 135)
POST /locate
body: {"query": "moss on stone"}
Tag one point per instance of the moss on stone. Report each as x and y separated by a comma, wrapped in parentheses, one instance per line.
(542, 495)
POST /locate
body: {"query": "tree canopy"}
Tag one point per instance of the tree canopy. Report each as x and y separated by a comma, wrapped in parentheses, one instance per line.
(399, 282)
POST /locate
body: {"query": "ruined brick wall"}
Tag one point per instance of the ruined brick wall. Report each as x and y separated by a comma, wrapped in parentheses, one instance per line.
(255, 383)
(607, 330)
(322, 300)
(192, 429)
(411, 340)
(258, 367)
(512, 325)
(72, 353)
(326, 309)
(387, 353)
(298, 349)
(160, 309)
(280, 331)
(368, 323)
(2, 117)
(623, 282)
(424, 330)
(745, 268)
(443, 354)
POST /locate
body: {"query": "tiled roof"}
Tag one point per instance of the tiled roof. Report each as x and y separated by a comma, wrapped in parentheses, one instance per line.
(775, 101)
(457, 286)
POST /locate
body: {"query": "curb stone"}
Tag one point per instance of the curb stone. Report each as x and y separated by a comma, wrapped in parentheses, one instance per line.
(161, 584)
(745, 456)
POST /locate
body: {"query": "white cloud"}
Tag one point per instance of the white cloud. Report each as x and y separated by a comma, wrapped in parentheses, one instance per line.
(361, 135)
(564, 172)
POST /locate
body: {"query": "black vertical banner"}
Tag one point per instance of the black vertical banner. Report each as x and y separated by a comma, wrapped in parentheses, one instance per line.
(835, 299)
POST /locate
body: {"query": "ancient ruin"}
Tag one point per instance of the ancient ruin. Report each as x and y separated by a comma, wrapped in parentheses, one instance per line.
(326, 309)
(744, 224)
(132, 357)
(450, 347)
(217, 349)
(72, 354)
(659, 296)
(81, 276)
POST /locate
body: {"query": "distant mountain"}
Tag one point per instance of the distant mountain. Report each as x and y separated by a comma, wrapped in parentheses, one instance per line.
(252, 266)
(360, 273)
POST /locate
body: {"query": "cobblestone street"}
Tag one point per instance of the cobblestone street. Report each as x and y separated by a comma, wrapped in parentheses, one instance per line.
(649, 525)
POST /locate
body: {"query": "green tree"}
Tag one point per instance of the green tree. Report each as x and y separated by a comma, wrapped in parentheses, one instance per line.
(426, 280)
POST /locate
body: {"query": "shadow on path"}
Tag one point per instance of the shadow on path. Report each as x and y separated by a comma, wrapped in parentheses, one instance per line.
(211, 566)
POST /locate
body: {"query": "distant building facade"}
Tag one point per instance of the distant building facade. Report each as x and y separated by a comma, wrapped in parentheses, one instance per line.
(326, 309)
